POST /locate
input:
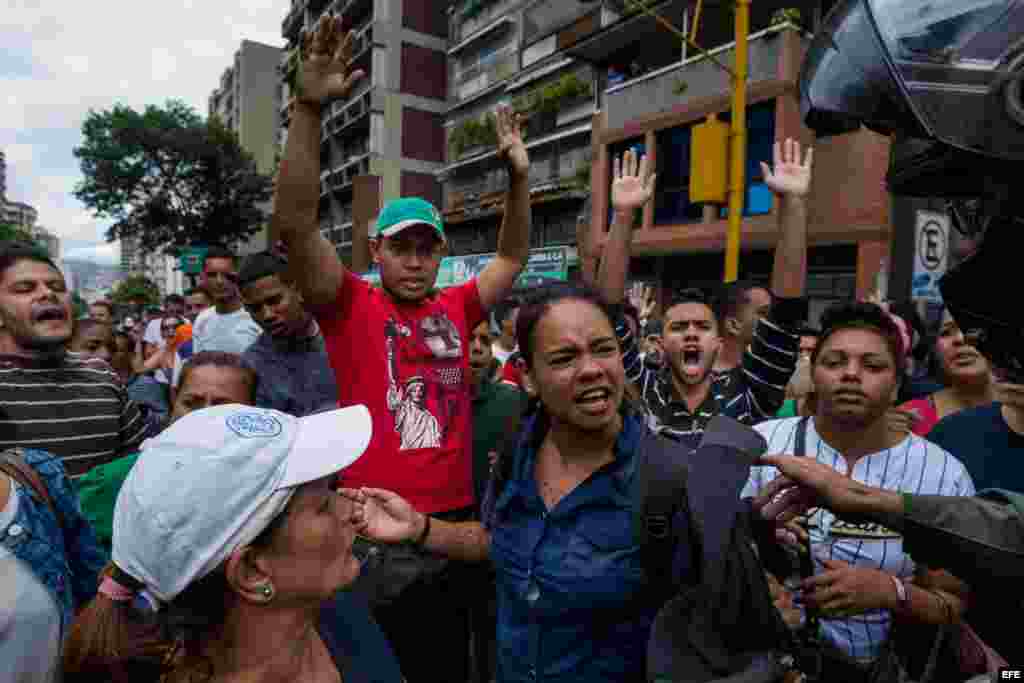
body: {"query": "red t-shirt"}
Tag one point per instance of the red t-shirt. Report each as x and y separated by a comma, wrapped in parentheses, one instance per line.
(409, 364)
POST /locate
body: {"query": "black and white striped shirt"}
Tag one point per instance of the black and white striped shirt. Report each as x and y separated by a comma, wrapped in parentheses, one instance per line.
(72, 407)
(749, 393)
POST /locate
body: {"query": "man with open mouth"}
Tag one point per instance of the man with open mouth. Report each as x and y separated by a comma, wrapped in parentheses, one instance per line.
(684, 395)
(74, 407)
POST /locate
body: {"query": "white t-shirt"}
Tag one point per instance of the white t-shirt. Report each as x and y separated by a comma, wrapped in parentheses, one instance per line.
(230, 332)
(912, 466)
(211, 331)
(29, 617)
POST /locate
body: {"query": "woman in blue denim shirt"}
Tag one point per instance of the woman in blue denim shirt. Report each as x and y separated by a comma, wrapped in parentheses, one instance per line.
(64, 555)
(572, 605)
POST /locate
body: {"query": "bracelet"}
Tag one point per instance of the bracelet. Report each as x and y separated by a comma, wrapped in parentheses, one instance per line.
(901, 592)
(423, 534)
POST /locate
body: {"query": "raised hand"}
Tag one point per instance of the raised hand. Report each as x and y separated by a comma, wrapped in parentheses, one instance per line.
(325, 65)
(383, 516)
(510, 141)
(789, 176)
(631, 188)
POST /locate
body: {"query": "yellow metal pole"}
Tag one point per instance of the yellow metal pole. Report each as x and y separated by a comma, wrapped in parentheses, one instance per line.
(738, 157)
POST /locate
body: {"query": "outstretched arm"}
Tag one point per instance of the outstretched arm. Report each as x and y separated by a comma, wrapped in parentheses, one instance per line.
(790, 180)
(631, 189)
(500, 275)
(386, 517)
(323, 75)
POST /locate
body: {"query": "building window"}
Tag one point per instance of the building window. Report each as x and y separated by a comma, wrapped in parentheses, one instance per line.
(672, 203)
(760, 145)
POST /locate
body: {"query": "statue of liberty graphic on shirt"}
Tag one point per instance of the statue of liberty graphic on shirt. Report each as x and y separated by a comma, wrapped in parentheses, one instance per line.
(407, 401)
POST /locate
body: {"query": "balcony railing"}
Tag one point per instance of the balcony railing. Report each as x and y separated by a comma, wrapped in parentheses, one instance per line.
(293, 21)
(341, 115)
(482, 194)
(341, 176)
(478, 79)
(659, 90)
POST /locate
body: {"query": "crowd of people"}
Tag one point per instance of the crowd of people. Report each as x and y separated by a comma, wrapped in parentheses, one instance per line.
(292, 474)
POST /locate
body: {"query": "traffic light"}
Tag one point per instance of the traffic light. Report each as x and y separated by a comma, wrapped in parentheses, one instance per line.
(709, 161)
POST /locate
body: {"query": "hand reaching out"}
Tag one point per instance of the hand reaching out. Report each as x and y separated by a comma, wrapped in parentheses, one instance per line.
(789, 176)
(631, 187)
(324, 71)
(383, 516)
(510, 141)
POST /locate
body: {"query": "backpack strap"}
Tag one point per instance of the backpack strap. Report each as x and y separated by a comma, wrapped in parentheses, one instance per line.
(14, 465)
(813, 616)
(660, 494)
(800, 442)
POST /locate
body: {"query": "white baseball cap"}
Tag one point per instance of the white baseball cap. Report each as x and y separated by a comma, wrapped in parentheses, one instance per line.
(215, 479)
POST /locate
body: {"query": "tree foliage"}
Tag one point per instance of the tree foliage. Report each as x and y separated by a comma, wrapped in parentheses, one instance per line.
(14, 233)
(136, 289)
(168, 178)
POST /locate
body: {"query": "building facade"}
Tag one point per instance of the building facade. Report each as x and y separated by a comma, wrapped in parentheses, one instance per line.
(19, 214)
(248, 103)
(386, 139)
(510, 51)
(652, 107)
(162, 270)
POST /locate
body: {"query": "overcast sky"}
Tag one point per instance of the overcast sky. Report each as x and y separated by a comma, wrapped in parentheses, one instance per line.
(60, 59)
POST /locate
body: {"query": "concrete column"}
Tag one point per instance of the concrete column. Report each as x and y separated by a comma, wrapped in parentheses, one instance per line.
(366, 205)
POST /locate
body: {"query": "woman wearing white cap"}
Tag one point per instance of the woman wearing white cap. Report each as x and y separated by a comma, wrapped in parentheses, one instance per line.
(229, 550)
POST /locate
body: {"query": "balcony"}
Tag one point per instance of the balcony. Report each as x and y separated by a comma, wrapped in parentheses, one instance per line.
(352, 9)
(342, 115)
(292, 24)
(661, 90)
(362, 41)
(502, 23)
(481, 77)
(340, 177)
(487, 197)
(474, 16)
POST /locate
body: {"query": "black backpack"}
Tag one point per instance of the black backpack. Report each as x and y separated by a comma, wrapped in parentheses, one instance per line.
(720, 621)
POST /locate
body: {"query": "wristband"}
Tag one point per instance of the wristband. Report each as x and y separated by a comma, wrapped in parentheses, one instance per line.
(901, 592)
(423, 534)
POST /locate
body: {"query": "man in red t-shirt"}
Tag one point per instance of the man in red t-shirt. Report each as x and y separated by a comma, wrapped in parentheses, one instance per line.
(402, 350)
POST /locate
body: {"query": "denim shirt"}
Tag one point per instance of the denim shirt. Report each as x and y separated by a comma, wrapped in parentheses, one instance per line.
(68, 561)
(295, 374)
(570, 581)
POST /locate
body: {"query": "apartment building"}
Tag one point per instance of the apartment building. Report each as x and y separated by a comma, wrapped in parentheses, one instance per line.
(387, 138)
(510, 51)
(161, 269)
(248, 102)
(19, 214)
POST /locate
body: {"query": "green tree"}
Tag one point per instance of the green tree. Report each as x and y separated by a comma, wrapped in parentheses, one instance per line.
(168, 178)
(13, 233)
(135, 290)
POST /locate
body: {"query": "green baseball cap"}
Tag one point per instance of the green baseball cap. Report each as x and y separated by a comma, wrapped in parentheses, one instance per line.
(399, 214)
